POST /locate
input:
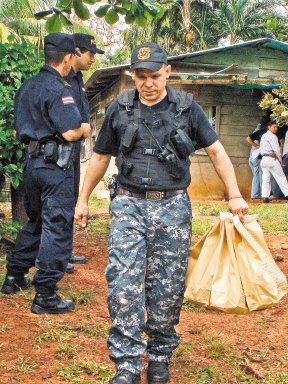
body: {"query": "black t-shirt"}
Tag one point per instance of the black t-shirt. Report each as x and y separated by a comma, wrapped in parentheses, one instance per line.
(108, 140)
(257, 134)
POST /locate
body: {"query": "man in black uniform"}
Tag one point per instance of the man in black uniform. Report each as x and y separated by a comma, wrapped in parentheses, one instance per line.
(48, 120)
(86, 46)
(152, 131)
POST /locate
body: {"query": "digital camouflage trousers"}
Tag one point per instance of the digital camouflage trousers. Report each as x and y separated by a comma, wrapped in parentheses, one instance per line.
(148, 251)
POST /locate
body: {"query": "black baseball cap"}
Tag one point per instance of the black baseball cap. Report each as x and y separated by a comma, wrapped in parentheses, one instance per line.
(60, 42)
(82, 40)
(148, 56)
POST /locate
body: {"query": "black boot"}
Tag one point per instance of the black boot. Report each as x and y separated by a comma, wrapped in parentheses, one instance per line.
(13, 284)
(77, 259)
(157, 372)
(51, 303)
(70, 268)
(125, 377)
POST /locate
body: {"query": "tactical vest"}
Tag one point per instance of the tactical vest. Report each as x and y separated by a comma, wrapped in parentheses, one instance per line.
(147, 159)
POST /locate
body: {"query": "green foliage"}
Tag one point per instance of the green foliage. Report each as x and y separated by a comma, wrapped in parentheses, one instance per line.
(277, 102)
(277, 27)
(18, 62)
(9, 228)
(175, 28)
(135, 11)
(243, 19)
(119, 57)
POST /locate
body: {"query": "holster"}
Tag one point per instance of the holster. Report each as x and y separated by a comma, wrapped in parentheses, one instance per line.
(66, 151)
(33, 149)
(50, 152)
(112, 186)
(124, 166)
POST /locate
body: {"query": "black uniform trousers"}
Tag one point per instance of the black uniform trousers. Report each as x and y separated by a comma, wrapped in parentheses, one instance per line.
(76, 164)
(46, 239)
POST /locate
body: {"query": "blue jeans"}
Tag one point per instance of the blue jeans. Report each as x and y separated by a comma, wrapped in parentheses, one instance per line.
(257, 177)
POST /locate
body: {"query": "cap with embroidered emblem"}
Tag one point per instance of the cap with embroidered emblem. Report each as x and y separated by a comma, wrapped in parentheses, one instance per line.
(82, 40)
(60, 42)
(148, 56)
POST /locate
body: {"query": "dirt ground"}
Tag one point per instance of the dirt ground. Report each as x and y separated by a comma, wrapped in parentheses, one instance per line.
(71, 348)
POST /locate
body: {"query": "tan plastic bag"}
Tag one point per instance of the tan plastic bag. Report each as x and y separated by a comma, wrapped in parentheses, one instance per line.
(231, 268)
(263, 282)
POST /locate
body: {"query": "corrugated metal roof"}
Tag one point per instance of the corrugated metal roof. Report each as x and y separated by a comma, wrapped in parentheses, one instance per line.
(264, 42)
(93, 85)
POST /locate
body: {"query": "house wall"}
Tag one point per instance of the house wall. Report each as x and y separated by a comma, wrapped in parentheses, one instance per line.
(98, 106)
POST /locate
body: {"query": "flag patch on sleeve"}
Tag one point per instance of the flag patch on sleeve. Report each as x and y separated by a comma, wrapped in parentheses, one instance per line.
(67, 100)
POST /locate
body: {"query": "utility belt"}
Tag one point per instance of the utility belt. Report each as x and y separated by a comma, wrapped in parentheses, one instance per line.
(149, 195)
(273, 155)
(54, 151)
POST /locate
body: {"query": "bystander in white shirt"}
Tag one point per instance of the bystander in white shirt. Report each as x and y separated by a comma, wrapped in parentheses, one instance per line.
(271, 162)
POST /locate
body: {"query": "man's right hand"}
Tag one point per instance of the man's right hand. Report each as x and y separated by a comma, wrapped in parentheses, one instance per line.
(86, 130)
(81, 215)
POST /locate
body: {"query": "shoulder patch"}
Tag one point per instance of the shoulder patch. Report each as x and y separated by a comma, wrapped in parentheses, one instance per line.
(68, 100)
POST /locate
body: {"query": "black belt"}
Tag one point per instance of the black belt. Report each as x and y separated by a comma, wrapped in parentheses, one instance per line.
(267, 154)
(150, 195)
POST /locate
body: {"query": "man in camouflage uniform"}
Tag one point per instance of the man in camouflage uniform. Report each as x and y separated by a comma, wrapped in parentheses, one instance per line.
(152, 131)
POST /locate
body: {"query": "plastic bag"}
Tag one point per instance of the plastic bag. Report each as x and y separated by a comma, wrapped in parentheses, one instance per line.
(232, 269)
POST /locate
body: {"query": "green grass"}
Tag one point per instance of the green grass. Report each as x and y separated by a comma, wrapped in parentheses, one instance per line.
(201, 226)
(24, 365)
(273, 218)
(67, 350)
(207, 375)
(75, 374)
(4, 328)
(98, 203)
(183, 350)
(51, 330)
(79, 297)
(217, 348)
(99, 226)
(189, 306)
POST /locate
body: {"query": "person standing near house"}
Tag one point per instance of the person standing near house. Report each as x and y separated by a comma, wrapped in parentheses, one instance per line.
(271, 162)
(86, 46)
(152, 131)
(254, 163)
(48, 121)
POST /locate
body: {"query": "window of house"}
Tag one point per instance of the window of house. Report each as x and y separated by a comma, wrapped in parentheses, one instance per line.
(213, 115)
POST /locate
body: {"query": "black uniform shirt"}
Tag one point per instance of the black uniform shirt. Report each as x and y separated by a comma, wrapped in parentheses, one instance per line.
(108, 140)
(44, 105)
(77, 84)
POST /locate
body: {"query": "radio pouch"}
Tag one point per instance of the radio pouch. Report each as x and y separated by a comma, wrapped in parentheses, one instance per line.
(182, 144)
(129, 137)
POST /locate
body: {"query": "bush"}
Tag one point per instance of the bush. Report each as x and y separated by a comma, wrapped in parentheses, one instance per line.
(19, 60)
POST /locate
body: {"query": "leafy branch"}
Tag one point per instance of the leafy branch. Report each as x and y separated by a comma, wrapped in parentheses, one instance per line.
(277, 102)
(139, 12)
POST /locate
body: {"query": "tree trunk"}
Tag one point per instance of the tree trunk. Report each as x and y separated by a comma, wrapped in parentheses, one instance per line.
(17, 201)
